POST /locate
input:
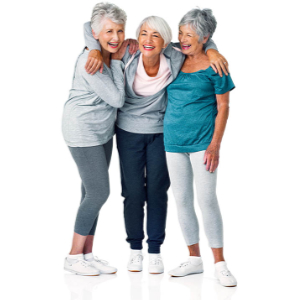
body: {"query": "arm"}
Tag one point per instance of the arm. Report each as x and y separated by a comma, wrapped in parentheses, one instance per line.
(110, 91)
(217, 61)
(211, 156)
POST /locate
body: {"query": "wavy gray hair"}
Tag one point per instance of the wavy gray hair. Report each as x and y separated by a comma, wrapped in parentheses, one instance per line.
(105, 10)
(202, 21)
(158, 24)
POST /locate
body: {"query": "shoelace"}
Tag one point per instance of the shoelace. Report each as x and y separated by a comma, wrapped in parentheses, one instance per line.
(155, 261)
(101, 261)
(184, 264)
(225, 273)
(84, 263)
(137, 258)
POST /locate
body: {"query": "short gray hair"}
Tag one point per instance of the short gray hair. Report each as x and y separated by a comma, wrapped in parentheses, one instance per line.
(202, 21)
(158, 24)
(105, 10)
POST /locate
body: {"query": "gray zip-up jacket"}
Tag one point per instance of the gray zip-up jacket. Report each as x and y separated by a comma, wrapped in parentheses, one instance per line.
(90, 113)
(143, 114)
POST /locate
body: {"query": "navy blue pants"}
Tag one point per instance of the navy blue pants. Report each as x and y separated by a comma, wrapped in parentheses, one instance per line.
(145, 179)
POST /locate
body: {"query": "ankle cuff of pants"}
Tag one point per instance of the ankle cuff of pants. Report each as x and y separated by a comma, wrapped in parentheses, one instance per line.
(136, 246)
(154, 249)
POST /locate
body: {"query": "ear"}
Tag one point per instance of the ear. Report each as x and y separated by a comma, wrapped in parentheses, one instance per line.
(205, 39)
(94, 35)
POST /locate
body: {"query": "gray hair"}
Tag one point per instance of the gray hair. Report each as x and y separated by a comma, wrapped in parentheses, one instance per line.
(202, 21)
(158, 24)
(105, 10)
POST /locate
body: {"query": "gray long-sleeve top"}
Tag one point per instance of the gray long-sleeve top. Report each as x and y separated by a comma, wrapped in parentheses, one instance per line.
(143, 114)
(90, 113)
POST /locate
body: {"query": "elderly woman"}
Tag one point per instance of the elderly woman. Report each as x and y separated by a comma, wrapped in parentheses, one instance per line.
(194, 124)
(88, 128)
(139, 130)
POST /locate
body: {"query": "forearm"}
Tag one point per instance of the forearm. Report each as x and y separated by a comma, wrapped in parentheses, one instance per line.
(220, 124)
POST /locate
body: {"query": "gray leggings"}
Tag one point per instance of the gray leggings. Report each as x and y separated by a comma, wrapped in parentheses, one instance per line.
(182, 167)
(92, 163)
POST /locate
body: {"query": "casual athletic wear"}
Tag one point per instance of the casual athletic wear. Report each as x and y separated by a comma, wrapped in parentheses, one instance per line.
(143, 165)
(188, 130)
(192, 109)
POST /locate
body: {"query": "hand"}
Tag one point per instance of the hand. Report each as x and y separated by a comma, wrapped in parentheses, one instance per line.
(94, 62)
(133, 46)
(121, 51)
(211, 157)
(218, 62)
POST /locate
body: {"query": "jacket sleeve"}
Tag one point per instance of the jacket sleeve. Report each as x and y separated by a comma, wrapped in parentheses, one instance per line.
(110, 91)
(90, 41)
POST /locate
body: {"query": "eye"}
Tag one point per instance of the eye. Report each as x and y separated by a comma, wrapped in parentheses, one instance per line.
(155, 35)
(108, 31)
(120, 30)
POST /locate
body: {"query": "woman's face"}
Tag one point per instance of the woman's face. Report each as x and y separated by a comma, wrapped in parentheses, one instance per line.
(188, 39)
(150, 41)
(111, 36)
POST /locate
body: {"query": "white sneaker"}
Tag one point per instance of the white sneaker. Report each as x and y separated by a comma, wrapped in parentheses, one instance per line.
(194, 265)
(156, 265)
(135, 263)
(223, 274)
(102, 266)
(80, 267)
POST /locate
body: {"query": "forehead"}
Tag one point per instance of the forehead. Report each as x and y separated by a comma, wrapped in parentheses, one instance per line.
(187, 29)
(109, 24)
(146, 27)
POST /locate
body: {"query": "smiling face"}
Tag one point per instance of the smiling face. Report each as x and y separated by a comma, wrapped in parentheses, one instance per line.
(150, 41)
(189, 40)
(111, 36)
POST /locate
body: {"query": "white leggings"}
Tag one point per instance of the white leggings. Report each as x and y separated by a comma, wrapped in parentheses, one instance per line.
(182, 167)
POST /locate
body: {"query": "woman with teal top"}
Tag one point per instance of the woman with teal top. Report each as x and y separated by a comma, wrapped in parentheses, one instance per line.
(194, 124)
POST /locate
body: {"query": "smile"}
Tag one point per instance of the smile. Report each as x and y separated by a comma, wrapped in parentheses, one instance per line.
(148, 48)
(113, 45)
(185, 47)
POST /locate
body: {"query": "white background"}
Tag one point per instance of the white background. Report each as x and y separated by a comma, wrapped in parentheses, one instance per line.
(258, 173)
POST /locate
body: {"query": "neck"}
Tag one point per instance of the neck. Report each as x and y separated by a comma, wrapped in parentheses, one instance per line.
(197, 54)
(106, 56)
(151, 62)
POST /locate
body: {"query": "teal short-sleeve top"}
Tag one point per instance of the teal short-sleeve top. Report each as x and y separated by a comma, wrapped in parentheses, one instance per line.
(189, 121)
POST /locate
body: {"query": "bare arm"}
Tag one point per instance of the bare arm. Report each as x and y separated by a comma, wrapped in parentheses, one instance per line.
(212, 153)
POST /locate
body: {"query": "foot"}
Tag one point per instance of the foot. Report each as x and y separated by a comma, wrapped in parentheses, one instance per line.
(80, 266)
(223, 274)
(194, 265)
(156, 265)
(102, 266)
(135, 263)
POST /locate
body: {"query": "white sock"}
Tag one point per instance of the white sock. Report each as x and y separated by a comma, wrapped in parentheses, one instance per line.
(89, 256)
(74, 257)
(195, 260)
(154, 255)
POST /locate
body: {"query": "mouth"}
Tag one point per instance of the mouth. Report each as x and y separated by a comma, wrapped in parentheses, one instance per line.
(185, 47)
(113, 45)
(148, 47)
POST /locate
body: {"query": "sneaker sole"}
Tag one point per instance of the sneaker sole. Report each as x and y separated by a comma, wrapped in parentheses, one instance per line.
(77, 273)
(186, 274)
(135, 270)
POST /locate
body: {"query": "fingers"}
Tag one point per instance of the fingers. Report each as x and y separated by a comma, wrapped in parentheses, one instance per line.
(89, 64)
(205, 157)
(223, 66)
(208, 162)
(218, 66)
(95, 66)
(214, 164)
(101, 68)
(214, 68)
